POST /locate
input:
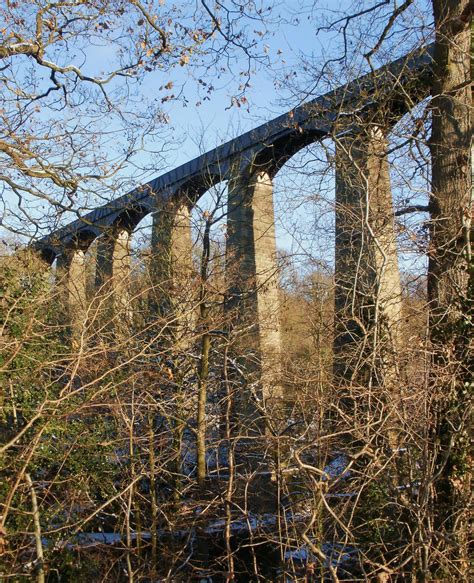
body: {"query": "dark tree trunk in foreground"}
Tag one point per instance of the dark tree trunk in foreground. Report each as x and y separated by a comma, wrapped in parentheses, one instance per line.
(448, 283)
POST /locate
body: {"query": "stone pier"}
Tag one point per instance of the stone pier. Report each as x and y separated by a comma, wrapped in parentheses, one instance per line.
(173, 294)
(71, 276)
(253, 284)
(113, 277)
(367, 279)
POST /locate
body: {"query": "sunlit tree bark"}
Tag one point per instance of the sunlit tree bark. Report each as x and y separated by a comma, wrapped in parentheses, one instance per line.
(449, 264)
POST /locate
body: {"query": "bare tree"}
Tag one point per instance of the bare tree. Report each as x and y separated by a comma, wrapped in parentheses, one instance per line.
(76, 128)
(450, 275)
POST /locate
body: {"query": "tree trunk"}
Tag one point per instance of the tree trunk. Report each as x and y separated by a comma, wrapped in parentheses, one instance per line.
(203, 372)
(37, 526)
(448, 279)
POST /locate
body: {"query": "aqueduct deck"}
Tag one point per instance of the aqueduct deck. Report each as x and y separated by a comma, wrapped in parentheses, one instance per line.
(276, 140)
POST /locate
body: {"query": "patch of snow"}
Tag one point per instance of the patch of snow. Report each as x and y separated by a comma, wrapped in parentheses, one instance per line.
(337, 468)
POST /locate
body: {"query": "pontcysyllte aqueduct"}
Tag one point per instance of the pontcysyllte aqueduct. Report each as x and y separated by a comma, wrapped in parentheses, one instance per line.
(358, 116)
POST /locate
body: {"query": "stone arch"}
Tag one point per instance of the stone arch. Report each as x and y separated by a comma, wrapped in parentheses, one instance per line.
(303, 190)
(274, 155)
(209, 220)
(49, 254)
